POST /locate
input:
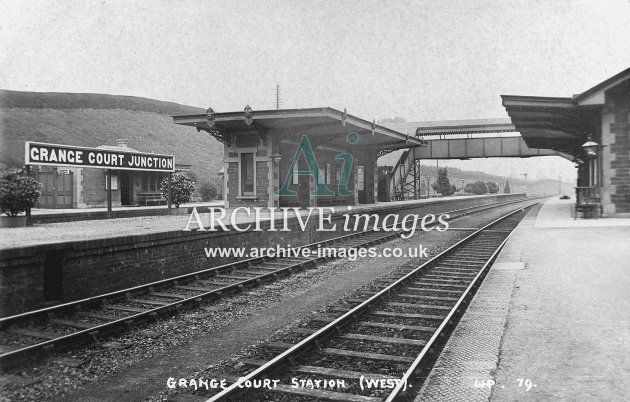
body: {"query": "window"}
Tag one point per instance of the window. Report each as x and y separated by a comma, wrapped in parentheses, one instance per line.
(145, 181)
(295, 177)
(114, 182)
(360, 178)
(328, 173)
(247, 174)
(150, 181)
(337, 173)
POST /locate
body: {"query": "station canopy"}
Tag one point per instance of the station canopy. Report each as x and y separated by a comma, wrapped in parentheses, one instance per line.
(322, 125)
(562, 124)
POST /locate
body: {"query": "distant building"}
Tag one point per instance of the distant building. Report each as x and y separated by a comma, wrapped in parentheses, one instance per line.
(70, 187)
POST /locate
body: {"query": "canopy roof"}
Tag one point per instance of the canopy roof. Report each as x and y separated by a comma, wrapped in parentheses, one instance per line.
(561, 124)
(324, 124)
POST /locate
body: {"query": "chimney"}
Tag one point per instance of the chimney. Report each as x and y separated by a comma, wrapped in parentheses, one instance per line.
(121, 142)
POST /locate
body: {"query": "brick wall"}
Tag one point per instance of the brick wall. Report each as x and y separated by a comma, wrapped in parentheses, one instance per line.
(93, 192)
(98, 266)
(21, 280)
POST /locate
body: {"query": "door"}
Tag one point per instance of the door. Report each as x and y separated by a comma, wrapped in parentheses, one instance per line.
(56, 190)
(126, 188)
(63, 195)
(304, 188)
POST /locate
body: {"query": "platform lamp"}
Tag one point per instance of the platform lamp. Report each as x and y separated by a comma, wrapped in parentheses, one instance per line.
(428, 186)
(463, 185)
(591, 148)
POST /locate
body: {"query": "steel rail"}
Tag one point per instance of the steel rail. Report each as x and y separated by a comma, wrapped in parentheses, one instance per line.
(330, 328)
(152, 313)
(123, 293)
(399, 392)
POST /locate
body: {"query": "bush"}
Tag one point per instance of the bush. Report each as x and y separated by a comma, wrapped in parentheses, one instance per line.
(493, 187)
(18, 192)
(208, 191)
(182, 189)
(477, 187)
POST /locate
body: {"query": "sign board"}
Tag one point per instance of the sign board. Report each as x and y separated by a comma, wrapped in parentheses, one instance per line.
(37, 153)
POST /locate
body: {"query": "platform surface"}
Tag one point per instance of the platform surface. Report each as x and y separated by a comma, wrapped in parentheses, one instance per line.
(111, 228)
(556, 330)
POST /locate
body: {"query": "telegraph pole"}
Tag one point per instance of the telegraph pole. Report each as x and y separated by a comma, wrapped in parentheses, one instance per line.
(278, 99)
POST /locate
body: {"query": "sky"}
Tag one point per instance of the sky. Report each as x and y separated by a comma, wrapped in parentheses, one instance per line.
(420, 60)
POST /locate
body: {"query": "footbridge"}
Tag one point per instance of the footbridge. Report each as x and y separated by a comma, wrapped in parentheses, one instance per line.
(456, 139)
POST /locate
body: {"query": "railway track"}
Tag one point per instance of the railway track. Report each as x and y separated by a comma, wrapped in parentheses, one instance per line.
(27, 335)
(377, 347)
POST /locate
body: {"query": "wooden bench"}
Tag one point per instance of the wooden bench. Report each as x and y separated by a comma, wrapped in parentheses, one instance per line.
(151, 197)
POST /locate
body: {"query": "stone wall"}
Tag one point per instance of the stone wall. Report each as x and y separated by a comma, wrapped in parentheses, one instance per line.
(618, 107)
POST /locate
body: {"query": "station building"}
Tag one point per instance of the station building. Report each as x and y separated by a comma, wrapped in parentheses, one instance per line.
(77, 187)
(594, 128)
(269, 155)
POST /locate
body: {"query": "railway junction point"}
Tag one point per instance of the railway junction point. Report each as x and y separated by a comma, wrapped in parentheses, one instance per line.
(553, 310)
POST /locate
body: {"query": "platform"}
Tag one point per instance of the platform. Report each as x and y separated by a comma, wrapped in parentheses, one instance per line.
(68, 261)
(553, 310)
(79, 230)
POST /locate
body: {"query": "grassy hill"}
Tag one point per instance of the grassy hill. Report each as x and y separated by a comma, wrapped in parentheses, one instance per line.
(95, 119)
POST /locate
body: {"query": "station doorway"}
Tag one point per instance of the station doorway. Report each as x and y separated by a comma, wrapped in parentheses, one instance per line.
(56, 192)
(126, 187)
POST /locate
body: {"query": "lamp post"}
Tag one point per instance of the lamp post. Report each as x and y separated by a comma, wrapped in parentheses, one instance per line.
(591, 148)
(525, 175)
(462, 185)
(428, 187)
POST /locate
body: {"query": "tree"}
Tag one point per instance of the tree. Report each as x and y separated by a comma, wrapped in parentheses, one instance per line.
(208, 191)
(506, 188)
(493, 187)
(18, 192)
(443, 185)
(182, 189)
(477, 187)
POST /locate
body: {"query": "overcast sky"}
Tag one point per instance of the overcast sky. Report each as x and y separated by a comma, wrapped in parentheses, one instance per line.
(421, 60)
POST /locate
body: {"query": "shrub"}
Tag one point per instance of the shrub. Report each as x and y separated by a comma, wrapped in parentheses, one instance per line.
(18, 192)
(492, 187)
(208, 191)
(477, 187)
(182, 189)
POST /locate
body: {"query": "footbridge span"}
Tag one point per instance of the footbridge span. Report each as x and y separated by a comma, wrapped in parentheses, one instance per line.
(457, 139)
